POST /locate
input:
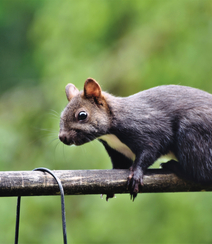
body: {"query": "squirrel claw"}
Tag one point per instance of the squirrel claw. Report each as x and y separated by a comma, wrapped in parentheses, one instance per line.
(130, 178)
(133, 196)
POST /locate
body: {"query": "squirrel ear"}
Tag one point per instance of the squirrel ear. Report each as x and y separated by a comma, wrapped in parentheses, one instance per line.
(71, 91)
(92, 88)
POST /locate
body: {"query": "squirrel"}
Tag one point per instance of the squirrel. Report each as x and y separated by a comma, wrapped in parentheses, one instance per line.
(138, 129)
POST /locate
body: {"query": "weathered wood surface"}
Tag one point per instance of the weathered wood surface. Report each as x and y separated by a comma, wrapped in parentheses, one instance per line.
(35, 183)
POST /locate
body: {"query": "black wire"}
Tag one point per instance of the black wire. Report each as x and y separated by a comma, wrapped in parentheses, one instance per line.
(17, 219)
(62, 206)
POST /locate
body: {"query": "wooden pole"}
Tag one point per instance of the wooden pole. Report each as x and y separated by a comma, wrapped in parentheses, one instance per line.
(76, 182)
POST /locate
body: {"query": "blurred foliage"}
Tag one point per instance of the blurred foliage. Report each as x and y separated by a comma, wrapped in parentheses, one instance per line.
(126, 45)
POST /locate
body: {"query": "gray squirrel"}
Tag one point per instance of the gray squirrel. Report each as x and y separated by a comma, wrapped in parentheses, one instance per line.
(139, 129)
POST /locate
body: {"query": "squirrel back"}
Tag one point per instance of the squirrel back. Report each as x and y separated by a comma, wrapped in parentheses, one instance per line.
(138, 129)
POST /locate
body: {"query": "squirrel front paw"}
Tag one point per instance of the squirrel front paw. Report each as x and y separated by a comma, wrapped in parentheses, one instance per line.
(134, 181)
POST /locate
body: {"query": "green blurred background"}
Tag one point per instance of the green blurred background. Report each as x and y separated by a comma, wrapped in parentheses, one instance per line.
(126, 45)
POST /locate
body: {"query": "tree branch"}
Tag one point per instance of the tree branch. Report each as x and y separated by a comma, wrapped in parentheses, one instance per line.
(35, 183)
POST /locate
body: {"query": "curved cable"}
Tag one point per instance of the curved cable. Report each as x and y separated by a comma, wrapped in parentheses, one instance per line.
(62, 206)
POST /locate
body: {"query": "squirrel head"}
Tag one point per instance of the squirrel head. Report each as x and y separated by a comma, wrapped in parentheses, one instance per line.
(86, 117)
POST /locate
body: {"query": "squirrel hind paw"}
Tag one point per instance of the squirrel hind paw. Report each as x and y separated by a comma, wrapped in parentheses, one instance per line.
(108, 196)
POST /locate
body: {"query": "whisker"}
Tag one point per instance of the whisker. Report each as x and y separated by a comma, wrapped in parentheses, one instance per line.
(55, 139)
(55, 148)
(53, 112)
(64, 156)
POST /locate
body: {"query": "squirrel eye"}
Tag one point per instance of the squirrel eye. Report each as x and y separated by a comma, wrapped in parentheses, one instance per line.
(82, 115)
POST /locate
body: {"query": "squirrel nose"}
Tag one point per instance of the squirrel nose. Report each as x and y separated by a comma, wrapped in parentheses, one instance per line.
(64, 138)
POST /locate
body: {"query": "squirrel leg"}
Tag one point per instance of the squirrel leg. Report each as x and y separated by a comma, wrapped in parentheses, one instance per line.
(137, 170)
